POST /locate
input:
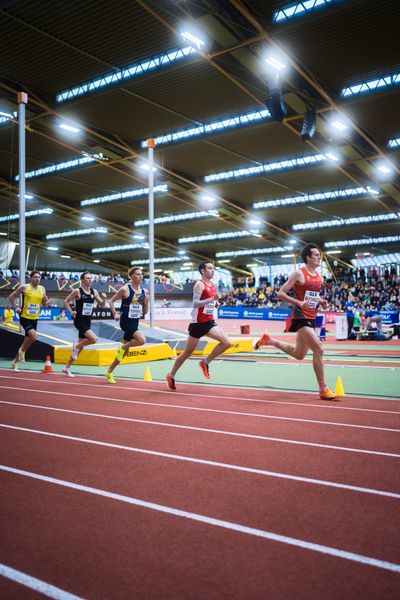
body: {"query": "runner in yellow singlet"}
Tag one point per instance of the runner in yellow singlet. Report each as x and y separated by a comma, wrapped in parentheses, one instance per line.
(33, 298)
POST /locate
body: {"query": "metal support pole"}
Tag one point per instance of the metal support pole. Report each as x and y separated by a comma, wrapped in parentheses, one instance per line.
(22, 100)
(150, 147)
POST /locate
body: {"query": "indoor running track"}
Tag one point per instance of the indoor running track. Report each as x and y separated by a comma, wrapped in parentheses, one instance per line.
(135, 492)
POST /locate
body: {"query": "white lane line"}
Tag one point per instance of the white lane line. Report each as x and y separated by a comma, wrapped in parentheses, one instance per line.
(211, 463)
(269, 535)
(203, 429)
(198, 409)
(329, 406)
(38, 585)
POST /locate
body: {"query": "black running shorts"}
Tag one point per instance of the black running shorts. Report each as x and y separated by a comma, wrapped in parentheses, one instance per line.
(197, 330)
(28, 324)
(297, 324)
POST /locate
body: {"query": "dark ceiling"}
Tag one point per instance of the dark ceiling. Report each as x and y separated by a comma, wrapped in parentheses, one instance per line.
(49, 47)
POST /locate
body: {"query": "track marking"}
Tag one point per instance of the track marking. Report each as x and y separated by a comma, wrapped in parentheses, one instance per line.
(211, 463)
(332, 405)
(197, 409)
(38, 585)
(261, 533)
(203, 429)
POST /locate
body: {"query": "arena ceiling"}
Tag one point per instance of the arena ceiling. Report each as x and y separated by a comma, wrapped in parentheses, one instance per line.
(123, 73)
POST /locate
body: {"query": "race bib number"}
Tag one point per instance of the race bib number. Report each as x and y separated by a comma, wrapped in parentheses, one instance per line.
(33, 309)
(87, 309)
(209, 308)
(312, 298)
(135, 311)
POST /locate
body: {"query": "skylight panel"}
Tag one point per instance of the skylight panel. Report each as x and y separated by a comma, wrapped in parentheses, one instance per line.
(364, 241)
(31, 213)
(301, 8)
(372, 85)
(56, 168)
(121, 196)
(371, 219)
(76, 233)
(259, 170)
(203, 214)
(125, 74)
(218, 236)
(311, 198)
(210, 128)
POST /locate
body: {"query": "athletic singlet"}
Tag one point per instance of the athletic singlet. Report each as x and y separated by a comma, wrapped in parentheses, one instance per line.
(202, 314)
(309, 290)
(132, 306)
(84, 304)
(32, 301)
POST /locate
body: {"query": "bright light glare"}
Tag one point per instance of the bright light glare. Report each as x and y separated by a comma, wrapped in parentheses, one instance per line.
(145, 167)
(334, 252)
(190, 36)
(332, 155)
(385, 168)
(52, 247)
(255, 222)
(139, 236)
(70, 128)
(209, 198)
(339, 125)
(88, 219)
(275, 63)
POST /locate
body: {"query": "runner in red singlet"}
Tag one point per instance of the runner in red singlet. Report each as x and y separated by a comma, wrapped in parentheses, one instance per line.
(306, 284)
(204, 303)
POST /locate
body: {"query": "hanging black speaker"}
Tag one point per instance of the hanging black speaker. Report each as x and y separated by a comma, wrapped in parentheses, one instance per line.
(275, 103)
(309, 124)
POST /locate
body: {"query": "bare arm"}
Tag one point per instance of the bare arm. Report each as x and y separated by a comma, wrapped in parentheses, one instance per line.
(14, 295)
(74, 294)
(45, 301)
(146, 302)
(295, 277)
(197, 291)
(101, 300)
(118, 296)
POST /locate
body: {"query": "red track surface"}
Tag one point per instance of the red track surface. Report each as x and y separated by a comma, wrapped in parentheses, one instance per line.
(233, 456)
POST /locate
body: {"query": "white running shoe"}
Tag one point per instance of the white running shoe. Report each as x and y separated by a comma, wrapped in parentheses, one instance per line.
(75, 351)
(67, 372)
(15, 366)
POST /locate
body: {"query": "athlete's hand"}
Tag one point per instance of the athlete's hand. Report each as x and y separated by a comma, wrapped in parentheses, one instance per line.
(304, 304)
(73, 314)
(323, 302)
(18, 310)
(116, 316)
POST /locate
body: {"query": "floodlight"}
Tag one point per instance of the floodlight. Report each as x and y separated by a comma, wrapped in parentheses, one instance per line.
(65, 256)
(209, 198)
(255, 221)
(193, 36)
(96, 260)
(145, 167)
(309, 124)
(384, 168)
(70, 127)
(372, 190)
(52, 247)
(88, 219)
(139, 236)
(332, 155)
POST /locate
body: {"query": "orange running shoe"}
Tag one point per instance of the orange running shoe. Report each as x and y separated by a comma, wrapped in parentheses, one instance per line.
(170, 382)
(205, 369)
(327, 394)
(263, 341)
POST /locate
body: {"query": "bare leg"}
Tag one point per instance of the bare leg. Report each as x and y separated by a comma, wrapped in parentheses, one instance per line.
(298, 350)
(311, 339)
(216, 333)
(138, 339)
(191, 345)
(29, 339)
(90, 338)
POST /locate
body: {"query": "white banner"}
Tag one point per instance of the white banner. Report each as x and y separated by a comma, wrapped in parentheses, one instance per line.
(171, 314)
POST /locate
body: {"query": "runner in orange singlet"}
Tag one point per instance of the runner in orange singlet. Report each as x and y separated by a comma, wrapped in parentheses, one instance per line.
(204, 303)
(306, 284)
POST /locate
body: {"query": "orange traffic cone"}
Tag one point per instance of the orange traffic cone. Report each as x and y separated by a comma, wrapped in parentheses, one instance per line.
(47, 366)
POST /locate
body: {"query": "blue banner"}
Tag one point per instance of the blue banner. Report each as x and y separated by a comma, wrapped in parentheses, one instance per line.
(46, 314)
(260, 314)
(390, 316)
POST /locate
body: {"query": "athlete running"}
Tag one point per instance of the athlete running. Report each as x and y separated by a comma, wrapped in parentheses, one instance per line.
(84, 298)
(306, 284)
(33, 298)
(205, 300)
(134, 305)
